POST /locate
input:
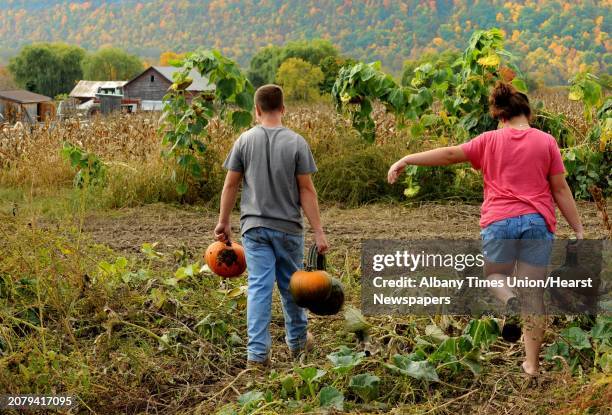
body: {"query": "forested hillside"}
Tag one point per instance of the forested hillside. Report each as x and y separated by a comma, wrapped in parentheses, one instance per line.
(553, 38)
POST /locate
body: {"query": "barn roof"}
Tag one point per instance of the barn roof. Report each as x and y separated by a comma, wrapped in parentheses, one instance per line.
(200, 83)
(88, 89)
(22, 96)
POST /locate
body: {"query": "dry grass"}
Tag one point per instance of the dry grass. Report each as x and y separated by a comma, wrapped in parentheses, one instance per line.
(555, 100)
(137, 174)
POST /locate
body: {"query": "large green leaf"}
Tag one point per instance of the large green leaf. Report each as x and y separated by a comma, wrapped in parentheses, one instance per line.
(240, 119)
(310, 374)
(602, 330)
(482, 332)
(330, 397)
(576, 337)
(520, 85)
(366, 386)
(422, 370)
(345, 359)
(250, 399)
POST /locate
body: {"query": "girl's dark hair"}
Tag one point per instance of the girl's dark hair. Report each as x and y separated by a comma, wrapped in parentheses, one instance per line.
(506, 102)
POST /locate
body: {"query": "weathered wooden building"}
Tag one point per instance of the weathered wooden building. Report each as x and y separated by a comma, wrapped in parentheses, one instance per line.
(25, 106)
(151, 86)
(87, 90)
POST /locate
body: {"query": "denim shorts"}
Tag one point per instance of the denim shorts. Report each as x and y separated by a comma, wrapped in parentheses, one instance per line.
(522, 238)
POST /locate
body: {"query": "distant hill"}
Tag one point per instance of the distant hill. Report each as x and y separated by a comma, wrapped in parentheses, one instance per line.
(554, 38)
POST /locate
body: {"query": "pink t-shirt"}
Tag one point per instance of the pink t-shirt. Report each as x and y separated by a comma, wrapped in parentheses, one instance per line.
(516, 166)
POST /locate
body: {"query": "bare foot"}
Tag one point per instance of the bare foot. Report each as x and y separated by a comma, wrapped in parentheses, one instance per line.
(530, 370)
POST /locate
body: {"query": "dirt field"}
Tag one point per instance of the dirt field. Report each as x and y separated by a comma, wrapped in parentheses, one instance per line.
(188, 231)
(176, 228)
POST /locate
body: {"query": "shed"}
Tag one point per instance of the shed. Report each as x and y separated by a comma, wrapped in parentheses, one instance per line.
(152, 84)
(25, 106)
(86, 90)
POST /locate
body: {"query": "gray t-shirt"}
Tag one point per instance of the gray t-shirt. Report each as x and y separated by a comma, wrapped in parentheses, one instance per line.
(270, 159)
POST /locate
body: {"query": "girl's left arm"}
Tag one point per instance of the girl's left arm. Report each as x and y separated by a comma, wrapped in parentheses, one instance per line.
(438, 157)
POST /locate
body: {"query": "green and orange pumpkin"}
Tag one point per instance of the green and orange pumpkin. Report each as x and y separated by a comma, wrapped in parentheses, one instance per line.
(314, 289)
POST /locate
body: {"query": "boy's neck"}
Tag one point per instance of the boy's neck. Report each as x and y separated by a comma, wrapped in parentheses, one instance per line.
(271, 121)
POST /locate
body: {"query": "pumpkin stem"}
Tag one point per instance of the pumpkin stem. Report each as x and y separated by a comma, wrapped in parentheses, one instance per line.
(314, 260)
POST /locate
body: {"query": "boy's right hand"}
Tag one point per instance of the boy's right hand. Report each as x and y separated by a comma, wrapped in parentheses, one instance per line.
(321, 241)
(223, 232)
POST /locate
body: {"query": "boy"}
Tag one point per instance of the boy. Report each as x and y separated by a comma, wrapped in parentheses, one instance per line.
(274, 165)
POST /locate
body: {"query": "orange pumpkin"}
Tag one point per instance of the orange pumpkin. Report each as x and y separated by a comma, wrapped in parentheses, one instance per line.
(309, 287)
(225, 259)
(313, 284)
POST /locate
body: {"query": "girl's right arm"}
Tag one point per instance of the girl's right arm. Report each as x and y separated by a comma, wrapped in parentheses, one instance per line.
(438, 157)
(567, 205)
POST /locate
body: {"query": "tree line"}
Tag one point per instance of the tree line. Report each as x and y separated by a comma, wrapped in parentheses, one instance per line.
(553, 39)
(55, 68)
(307, 70)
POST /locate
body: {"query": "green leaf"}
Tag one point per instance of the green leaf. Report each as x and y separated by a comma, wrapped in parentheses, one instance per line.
(605, 362)
(491, 60)
(288, 384)
(173, 282)
(520, 85)
(576, 93)
(149, 250)
(602, 330)
(181, 188)
(576, 337)
(417, 129)
(396, 98)
(366, 386)
(422, 370)
(225, 87)
(354, 320)
(250, 398)
(245, 100)
(310, 374)
(345, 359)
(240, 119)
(482, 332)
(330, 397)
(592, 93)
(474, 366)
(559, 348)
(435, 333)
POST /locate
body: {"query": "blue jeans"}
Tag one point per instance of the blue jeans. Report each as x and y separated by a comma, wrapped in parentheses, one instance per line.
(522, 238)
(270, 255)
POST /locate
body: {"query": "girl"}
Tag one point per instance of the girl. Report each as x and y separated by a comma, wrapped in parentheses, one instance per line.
(523, 178)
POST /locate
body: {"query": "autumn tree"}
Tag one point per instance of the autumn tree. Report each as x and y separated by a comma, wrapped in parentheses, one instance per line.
(264, 65)
(166, 58)
(266, 62)
(300, 79)
(47, 68)
(6, 80)
(111, 64)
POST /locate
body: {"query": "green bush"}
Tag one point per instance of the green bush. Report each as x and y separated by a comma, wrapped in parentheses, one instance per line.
(356, 176)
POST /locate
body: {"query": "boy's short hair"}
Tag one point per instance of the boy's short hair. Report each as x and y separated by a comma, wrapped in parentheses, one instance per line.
(269, 98)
